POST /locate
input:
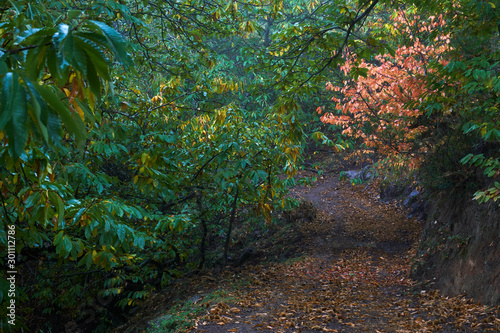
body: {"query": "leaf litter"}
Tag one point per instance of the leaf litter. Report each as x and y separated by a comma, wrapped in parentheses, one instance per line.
(353, 277)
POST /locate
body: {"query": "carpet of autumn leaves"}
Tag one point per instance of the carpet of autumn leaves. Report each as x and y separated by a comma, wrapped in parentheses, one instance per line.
(349, 273)
(353, 276)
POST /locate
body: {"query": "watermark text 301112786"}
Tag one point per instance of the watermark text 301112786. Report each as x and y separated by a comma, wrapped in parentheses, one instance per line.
(11, 274)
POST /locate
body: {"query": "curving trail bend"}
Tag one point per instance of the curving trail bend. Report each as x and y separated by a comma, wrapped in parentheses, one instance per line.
(353, 276)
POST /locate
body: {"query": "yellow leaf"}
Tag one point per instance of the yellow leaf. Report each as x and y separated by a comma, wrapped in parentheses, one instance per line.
(249, 27)
(79, 110)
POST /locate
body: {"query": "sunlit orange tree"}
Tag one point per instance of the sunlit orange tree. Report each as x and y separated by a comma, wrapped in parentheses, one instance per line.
(375, 100)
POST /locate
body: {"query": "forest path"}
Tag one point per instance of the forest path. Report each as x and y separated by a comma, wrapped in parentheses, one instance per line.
(353, 276)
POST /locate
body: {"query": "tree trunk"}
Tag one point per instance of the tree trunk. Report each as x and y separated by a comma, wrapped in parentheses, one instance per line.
(204, 232)
(203, 244)
(267, 32)
(230, 227)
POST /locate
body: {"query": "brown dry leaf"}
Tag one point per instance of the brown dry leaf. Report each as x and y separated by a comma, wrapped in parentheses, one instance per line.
(347, 277)
(227, 319)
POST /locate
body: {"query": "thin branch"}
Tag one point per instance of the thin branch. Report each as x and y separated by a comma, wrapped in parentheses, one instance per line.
(5, 208)
(204, 165)
(339, 50)
(120, 113)
(19, 50)
(73, 274)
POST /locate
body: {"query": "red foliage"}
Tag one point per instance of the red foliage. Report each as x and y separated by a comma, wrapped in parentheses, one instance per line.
(375, 108)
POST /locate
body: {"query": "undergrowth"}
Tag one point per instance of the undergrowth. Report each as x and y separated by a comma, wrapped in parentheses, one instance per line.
(180, 317)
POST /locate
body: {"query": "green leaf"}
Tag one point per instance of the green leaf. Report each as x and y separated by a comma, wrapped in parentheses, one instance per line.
(94, 58)
(497, 133)
(18, 134)
(466, 159)
(79, 58)
(13, 113)
(120, 231)
(479, 74)
(469, 127)
(78, 215)
(139, 241)
(72, 14)
(37, 110)
(60, 42)
(36, 58)
(88, 233)
(487, 135)
(52, 63)
(94, 82)
(58, 237)
(88, 114)
(117, 43)
(68, 52)
(59, 204)
(36, 35)
(3, 67)
(10, 85)
(73, 122)
(86, 260)
(67, 244)
(54, 127)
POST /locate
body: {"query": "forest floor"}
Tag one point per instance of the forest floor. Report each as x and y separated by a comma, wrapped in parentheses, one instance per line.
(350, 273)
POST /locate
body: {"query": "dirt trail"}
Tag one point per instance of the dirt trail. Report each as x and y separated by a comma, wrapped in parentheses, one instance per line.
(354, 276)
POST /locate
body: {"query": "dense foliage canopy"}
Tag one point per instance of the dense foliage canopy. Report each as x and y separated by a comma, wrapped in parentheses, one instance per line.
(433, 101)
(134, 134)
